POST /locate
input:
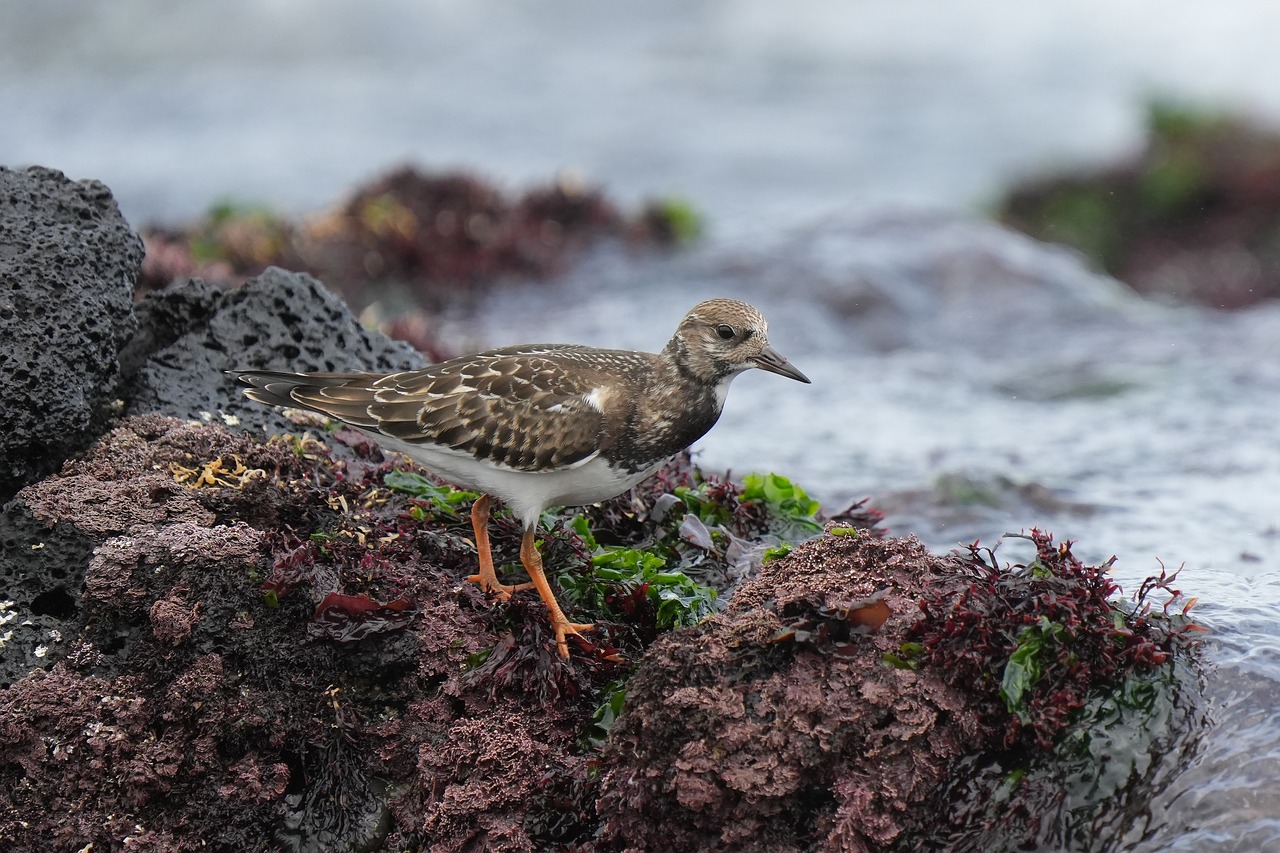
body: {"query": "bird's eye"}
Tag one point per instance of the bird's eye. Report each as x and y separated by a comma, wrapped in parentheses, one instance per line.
(725, 331)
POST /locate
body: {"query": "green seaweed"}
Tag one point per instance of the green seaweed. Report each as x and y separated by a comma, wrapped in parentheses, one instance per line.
(678, 600)
(444, 498)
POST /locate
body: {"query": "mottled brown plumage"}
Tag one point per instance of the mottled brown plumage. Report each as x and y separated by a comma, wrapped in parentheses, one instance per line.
(545, 425)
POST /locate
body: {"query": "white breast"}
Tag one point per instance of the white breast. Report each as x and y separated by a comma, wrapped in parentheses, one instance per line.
(526, 493)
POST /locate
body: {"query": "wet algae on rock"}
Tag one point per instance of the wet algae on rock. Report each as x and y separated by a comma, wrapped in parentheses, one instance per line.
(825, 708)
(269, 648)
(282, 657)
(216, 639)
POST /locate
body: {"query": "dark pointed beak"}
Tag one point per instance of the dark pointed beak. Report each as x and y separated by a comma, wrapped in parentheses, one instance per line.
(771, 360)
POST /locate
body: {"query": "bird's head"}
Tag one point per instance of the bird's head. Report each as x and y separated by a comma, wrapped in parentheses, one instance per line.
(720, 338)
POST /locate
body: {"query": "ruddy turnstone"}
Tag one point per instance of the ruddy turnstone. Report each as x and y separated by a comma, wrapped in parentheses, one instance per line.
(544, 424)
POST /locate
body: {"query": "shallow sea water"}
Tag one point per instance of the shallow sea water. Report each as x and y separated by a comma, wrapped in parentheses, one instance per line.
(969, 381)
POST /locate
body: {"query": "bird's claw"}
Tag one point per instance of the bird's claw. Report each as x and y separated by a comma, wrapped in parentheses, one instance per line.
(564, 628)
(500, 591)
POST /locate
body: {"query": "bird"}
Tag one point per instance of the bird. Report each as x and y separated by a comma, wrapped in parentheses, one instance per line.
(542, 425)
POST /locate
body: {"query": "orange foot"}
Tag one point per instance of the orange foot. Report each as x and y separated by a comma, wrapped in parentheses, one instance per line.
(563, 627)
(487, 579)
(500, 591)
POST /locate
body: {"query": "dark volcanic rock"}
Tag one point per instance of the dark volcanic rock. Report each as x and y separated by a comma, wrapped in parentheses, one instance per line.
(41, 578)
(68, 262)
(191, 332)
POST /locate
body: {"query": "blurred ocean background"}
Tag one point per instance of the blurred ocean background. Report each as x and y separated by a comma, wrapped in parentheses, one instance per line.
(967, 379)
(763, 114)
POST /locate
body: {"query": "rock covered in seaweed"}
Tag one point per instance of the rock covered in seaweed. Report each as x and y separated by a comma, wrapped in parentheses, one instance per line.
(811, 716)
(1193, 216)
(440, 236)
(739, 737)
(298, 633)
(268, 722)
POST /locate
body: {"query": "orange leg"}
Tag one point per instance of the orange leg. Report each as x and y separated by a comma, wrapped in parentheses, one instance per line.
(487, 579)
(532, 561)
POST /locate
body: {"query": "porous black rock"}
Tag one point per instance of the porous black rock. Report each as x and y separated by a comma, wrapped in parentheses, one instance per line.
(68, 262)
(191, 332)
(41, 580)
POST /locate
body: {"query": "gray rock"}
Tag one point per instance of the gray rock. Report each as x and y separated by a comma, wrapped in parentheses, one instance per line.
(190, 332)
(68, 261)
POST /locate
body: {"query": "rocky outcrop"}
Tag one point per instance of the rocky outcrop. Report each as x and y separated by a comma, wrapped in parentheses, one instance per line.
(216, 676)
(191, 332)
(68, 261)
(740, 736)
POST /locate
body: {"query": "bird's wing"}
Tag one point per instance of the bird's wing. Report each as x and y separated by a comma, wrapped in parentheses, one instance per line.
(530, 409)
